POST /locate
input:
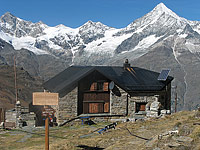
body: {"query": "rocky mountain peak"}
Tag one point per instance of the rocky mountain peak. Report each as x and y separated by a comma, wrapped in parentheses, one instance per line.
(161, 8)
(91, 24)
(91, 31)
(8, 15)
(8, 18)
(19, 28)
(159, 16)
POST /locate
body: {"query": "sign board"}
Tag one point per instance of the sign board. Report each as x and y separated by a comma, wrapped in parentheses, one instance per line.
(45, 98)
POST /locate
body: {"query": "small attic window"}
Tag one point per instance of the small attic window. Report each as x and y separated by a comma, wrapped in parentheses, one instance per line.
(99, 86)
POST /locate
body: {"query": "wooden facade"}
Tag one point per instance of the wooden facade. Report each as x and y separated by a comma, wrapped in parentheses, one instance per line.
(94, 94)
(96, 102)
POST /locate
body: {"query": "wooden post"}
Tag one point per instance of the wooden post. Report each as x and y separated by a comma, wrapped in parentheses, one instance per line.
(175, 109)
(15, 80)
(47, 133)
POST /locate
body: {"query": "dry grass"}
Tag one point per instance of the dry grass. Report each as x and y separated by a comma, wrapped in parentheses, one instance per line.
(82, 137)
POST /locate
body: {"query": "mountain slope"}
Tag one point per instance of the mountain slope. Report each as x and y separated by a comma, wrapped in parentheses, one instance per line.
(26, 84)
(159, 39)
(44, 66)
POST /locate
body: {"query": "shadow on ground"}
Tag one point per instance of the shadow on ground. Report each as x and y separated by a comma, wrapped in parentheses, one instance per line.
(85, 147)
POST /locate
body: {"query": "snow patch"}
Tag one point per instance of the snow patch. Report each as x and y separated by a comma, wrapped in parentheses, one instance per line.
(183, 35)
(193, 48)
(60, 30)
(5, 37)
(27, 43)
(146, 42)
(108, 43)
(197, 29)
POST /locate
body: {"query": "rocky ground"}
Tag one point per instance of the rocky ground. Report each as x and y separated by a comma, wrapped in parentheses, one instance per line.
(180, 131)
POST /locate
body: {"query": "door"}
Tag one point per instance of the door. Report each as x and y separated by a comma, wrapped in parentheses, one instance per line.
(95, 108)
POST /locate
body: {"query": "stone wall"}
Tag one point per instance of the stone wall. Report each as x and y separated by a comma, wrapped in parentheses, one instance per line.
(138, 99)
(10, 116)
(67, 107)
(118, 104)
(20, 115)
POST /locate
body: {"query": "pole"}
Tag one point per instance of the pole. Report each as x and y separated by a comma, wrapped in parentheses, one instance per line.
(175, 109)
(15, 80)
(47, 133)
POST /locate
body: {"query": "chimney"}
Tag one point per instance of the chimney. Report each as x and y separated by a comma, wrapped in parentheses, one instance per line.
(126, 64)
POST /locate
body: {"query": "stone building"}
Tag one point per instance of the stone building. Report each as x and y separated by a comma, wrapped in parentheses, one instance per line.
(19, 117)
(109, 92)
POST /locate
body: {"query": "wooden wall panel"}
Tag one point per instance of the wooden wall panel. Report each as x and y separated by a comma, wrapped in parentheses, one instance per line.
(105, 86)
(85, 108)
(96, 97)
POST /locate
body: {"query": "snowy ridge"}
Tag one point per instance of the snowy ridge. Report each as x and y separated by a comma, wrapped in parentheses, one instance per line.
(92, 37)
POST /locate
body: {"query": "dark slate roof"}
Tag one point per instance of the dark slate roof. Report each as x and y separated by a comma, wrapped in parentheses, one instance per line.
(130, 80)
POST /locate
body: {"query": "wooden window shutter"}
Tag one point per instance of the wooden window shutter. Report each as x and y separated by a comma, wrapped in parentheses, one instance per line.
(95, 107)
(106, 107)
(142, 107)
(93, 87)
(105, 86)
(100, 107)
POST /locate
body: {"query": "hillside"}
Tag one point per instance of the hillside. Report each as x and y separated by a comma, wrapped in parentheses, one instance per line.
(26, 84)
(140, 135)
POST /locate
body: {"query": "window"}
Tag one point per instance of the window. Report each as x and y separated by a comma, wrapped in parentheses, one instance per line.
(140, 107)
(99, 86)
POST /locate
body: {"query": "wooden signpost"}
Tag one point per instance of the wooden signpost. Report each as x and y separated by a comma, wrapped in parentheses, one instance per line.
(47, 111)
(46, 99)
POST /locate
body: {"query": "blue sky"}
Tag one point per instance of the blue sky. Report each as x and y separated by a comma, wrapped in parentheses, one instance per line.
(74, 13)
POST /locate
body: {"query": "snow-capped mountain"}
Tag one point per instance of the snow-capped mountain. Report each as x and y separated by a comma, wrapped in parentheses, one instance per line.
(93, 38)
(159, 39)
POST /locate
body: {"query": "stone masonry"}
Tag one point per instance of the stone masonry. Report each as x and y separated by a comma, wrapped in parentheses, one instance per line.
(118, 104)
(67, 107)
